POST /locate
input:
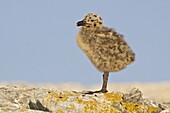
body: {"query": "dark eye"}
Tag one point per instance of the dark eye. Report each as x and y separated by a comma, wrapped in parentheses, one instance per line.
(92, 20)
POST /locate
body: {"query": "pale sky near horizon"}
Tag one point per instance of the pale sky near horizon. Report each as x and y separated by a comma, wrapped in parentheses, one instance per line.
(38, 40)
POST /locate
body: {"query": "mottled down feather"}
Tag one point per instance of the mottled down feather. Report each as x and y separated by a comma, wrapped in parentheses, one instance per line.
(106, 49)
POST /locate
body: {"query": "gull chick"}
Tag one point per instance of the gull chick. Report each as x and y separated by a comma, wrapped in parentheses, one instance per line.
(107, 50)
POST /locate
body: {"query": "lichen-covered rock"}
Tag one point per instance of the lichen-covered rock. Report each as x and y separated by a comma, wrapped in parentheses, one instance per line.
(37, 100)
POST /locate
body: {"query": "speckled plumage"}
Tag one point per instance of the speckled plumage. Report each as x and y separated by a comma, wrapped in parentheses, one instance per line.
(106, 49)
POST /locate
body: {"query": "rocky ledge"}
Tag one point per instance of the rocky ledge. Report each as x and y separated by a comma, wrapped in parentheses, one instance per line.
(16, 99)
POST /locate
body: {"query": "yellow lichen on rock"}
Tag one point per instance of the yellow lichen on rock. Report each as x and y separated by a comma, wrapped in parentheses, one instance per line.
(59, 96)
(152, 109)
(91, 105)
(59, 111)
(99, 103)
(139, 108)
(72, 107)
(130, 107)
(79, 100)
(113, 97)
(100, 106)
(39, 99)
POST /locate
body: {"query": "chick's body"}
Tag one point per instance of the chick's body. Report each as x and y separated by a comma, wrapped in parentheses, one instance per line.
(106, 49)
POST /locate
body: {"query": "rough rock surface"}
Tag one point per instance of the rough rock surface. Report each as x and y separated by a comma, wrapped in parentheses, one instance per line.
(16, 99)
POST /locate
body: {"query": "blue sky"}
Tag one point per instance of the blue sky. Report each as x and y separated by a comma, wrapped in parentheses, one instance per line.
(38, 40)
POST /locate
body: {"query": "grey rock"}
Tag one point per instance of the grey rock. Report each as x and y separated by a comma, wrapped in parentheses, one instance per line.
(14, 99)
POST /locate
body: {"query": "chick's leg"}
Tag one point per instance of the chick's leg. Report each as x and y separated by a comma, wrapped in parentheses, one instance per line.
(105, 80)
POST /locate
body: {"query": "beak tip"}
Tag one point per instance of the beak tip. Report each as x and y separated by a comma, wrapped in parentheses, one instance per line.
(77, 24)
(80, 23)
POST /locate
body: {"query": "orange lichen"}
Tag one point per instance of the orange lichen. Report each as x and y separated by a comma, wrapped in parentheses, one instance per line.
(105, 104)
(140, 108)
(52, 94)
(59, 111)
(90, 105)
(113, 97)
(79, 100)
(59, 96)
(152, 109)
(129, 107)
(97, 106)
(72, 107)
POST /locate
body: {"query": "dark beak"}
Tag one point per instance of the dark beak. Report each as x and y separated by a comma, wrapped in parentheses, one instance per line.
(81, 23)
